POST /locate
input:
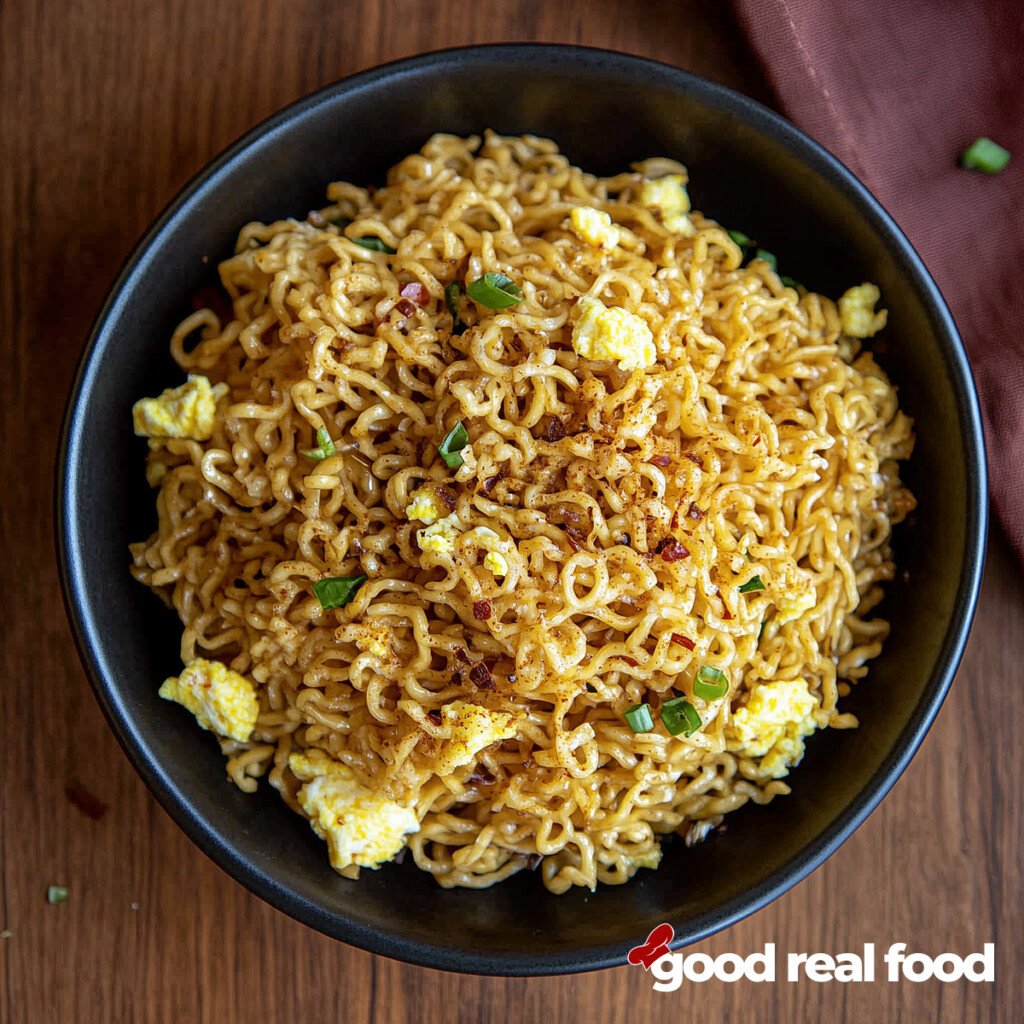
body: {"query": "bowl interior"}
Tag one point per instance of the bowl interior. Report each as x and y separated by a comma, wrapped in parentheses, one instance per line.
(749, 170)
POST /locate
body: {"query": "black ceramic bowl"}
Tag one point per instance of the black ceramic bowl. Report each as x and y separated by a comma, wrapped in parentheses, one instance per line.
(749, 169)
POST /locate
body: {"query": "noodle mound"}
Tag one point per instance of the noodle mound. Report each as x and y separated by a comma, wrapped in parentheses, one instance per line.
(618, 533)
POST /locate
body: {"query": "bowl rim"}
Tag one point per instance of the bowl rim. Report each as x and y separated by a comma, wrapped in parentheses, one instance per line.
(88, 641)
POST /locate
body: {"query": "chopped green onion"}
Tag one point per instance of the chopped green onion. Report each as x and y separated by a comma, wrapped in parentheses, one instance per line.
(639, 718)
(760, 632)
(986, 156)
(745, 242)
(453, 300)
(451, 447)
(495, 291)
(57, 894)
(337, 591)
(790, 282)
(753, 584)
(371, 242)
(711, 683)
(680, 716)
(324, 446)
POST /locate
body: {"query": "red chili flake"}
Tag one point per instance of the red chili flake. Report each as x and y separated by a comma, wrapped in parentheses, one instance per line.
(694, 513)
(695, 459)
(481, 776)
(405, 307)
(481, 676)
(631, 662)
(555, 430)
(481, 610)
(85, 800)
(685, 641)
(726, 614)
(662, 544)
(316, 218)
(674, 552)
(447, 497)
(757, 440)
(492, 481)
(661, 460)
(417, 292)
(576, 537)
(434, 715)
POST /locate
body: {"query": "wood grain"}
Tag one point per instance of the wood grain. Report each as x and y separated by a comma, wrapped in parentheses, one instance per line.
(108, 107)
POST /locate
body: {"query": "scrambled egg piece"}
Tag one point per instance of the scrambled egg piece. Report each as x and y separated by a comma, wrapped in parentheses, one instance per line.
(495, 561)
(470, 729)
(185, 411)
(668, 196)
(601, 332)
(440, 536)
(424, 506)
(222, 700)
(772, 726)
(857, 311)
(794, 593)
(361, 828)
(595, 227)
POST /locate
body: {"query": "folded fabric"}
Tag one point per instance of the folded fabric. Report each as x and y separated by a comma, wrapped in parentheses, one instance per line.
(897, 90)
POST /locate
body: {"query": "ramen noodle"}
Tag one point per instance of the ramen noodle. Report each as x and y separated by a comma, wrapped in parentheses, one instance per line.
(520, 518)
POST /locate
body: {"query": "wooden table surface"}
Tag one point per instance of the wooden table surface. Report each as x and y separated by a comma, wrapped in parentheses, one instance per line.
(108, 107)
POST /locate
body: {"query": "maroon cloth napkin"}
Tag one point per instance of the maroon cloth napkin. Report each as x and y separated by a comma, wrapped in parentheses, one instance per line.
(897, 89)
